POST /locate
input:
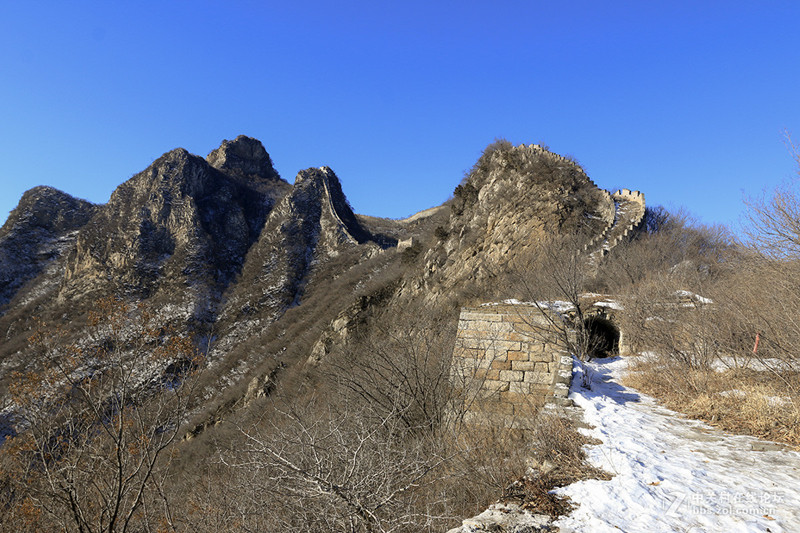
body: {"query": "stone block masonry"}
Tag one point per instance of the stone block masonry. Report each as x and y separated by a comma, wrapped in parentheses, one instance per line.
(507, 363)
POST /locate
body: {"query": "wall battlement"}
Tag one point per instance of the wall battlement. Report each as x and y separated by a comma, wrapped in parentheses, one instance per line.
(629, 211)
(621, 211)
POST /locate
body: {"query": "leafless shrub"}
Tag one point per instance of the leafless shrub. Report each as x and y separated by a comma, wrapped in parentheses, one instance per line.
(773, 224)
(94, 432)
(553, 280)
(401, 368)
(733, 362)
(666, 244)
(335, 470)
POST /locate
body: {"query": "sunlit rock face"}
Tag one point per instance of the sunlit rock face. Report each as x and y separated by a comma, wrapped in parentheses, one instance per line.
(311, 224)
(513, 199)
(246, 160)
(179, 223)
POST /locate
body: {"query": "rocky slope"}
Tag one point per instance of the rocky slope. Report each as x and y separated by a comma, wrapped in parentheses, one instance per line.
(514, 198)
(312, 223)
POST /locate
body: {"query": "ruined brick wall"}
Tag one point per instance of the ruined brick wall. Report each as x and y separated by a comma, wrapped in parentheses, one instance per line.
(507, 363)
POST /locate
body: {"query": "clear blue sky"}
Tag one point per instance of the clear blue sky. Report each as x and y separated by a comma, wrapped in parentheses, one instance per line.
(685, 101)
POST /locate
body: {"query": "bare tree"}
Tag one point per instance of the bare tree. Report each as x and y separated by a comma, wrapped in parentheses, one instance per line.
(335, 470)
(774, 224)
(665, 243)
(94, 425)
(553, 280)
(768, 285)
(401, 368)
(735, 329)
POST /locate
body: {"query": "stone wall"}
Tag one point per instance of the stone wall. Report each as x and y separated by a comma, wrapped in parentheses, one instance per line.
(508, 362)
(405, 244)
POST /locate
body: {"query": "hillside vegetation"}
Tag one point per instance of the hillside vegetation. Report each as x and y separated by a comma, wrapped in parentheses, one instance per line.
(236, 353)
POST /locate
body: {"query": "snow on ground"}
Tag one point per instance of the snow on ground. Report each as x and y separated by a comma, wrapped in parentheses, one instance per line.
(695, 297)
(672, 474)
(755, 362)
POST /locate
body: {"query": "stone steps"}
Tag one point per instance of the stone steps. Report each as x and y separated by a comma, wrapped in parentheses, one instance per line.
(629, 213)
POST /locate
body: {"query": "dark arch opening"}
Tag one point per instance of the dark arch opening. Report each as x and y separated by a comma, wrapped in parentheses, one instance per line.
(603, 337)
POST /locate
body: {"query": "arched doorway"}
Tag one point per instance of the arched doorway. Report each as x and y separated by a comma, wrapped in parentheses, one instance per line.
(602, 336)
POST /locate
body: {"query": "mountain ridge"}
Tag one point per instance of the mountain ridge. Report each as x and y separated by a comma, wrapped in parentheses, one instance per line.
(224, 248)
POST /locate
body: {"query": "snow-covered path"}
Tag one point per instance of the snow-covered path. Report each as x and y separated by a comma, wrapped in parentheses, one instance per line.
(672, 474)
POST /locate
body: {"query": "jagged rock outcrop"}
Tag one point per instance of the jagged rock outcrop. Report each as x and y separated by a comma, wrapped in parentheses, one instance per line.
(514, 198)
(195, 236)
(181, 226)
(36, 234)
(245, 160)
(312, 223)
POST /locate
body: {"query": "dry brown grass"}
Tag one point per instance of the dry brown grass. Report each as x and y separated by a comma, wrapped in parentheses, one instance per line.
(487, 459)
(737, 400)
(556, 458)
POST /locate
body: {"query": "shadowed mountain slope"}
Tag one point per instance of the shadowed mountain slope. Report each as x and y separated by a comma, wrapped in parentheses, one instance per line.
(37, 232)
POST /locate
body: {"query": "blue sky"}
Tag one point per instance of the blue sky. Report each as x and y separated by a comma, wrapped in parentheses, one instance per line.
(685, 101)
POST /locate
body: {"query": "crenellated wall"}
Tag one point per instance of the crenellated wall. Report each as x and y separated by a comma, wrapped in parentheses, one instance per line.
(621, 211)
(630, 213)
(609, 215)
(629, 210)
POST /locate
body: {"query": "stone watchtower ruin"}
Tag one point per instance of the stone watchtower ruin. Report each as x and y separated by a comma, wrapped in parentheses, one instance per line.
(510, 360)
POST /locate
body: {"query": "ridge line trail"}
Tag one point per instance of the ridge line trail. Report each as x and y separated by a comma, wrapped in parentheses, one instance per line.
(671, 473)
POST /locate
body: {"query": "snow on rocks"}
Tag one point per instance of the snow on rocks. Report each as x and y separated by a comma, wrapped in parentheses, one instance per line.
(558, 306)
(610, 304)
(670, 473)
(506, 517)
(691, 298)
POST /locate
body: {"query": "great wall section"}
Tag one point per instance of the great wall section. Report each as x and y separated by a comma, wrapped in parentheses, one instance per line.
(621, 211)
(511, 361)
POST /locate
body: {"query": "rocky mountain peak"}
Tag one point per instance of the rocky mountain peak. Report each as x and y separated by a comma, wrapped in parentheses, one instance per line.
(178, 223)
(50, 209)
(328, 193)
(37, 232)
(244, 158)
(176, 173)
(513, 198)
(315, 173)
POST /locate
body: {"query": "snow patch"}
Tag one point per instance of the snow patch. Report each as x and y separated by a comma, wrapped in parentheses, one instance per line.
(670, 473)
(558, 306)
(693, 296)
(610, 304)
